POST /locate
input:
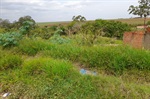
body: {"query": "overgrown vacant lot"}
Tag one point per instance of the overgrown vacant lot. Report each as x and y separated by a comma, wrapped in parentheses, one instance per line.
(78, 60)
(40, 69)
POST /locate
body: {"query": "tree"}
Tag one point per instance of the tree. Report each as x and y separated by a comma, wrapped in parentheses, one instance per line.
(26, 27)
(75, 25)
(21, 21)
(5, 23)
(79, 18)
(142, 10)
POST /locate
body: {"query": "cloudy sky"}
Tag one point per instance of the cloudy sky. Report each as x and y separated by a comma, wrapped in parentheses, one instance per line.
(63, 10)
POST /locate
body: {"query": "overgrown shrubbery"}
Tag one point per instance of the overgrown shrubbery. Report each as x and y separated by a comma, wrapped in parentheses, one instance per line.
(44, 33)
(57, 38)
(10, 39)
(105, 28)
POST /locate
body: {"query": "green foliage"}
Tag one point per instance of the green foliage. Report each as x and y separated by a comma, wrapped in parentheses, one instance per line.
(148, 23)
(113, 28)
(104, 28)
(9, 39)
(5, 24)
(143, 9)
(41, 77)
(74, 26)
(2, 30)
(27, 26)
(54, 27)
(47, 66)
(31, 46)
(9, 61)
(21, 21)
(85, 40)
(79, 18)
(91, 31)
(44, 33)
(108, 57)
(57, 38)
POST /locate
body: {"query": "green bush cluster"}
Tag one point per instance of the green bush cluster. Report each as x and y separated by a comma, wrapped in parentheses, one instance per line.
(10, 39)
(44, 33)
(58, 39)
(105, 28)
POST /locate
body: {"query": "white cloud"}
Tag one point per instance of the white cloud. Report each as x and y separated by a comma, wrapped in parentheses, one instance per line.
(62, 10)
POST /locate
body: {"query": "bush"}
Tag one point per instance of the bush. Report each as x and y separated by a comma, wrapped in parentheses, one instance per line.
(57, 39)
(44, 33)
(26, 27)
(9, 39)
(113, 28)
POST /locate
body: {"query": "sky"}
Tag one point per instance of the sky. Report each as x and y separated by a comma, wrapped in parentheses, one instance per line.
(64, 10)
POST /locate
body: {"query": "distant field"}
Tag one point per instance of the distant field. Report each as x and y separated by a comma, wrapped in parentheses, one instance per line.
(133, 21)
(42, 24)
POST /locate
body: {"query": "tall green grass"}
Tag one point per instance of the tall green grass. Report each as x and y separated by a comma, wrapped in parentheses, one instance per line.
(47, 66)
(114, 58)
(47, 78)
(22, 84)
(9, 60)
(31, 46)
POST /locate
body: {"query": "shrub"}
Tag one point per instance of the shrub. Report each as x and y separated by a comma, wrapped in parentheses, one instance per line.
(26, 27)
(57, 39)
(103, 28)
(113, 28)
(44, 33)
(9, 39)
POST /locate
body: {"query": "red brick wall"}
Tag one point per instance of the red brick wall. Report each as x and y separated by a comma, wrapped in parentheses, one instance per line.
(134, 39)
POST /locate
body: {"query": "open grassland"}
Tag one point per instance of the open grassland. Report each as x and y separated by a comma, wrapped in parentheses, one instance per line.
(40, 69)
(132, 21)
(42, 24)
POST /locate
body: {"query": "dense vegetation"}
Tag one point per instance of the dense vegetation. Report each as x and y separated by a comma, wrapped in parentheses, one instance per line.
(45, 62)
